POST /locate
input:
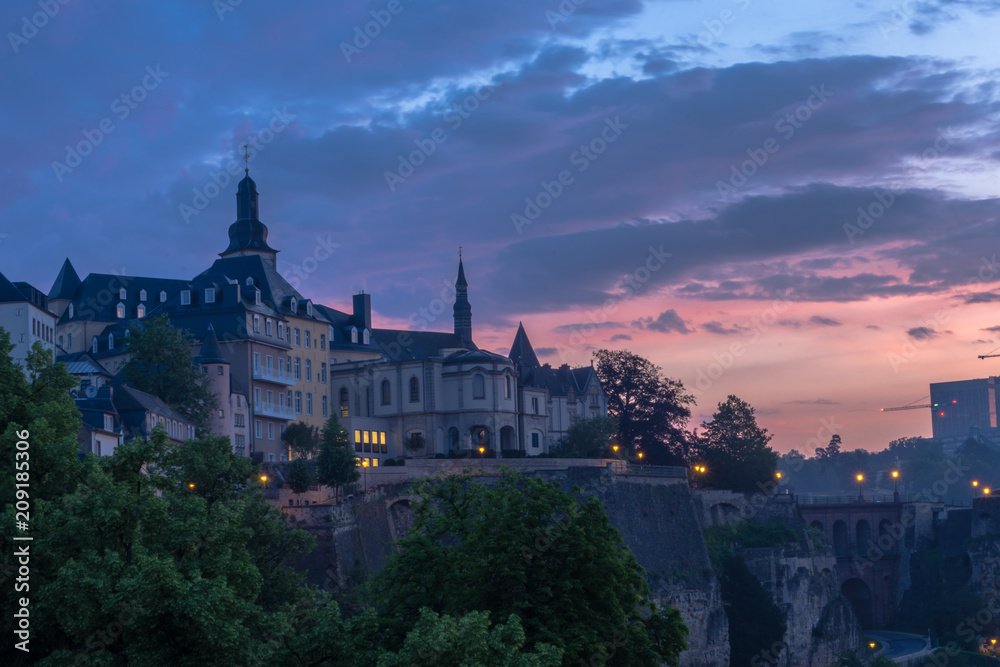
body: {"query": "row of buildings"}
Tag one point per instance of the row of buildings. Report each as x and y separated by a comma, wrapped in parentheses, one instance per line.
(275, 357)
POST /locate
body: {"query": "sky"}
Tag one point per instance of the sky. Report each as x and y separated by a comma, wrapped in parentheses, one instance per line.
(792, 203)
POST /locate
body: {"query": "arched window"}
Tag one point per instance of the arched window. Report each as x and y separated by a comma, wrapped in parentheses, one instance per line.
(249, 281)
(142, 295)
(478, 386)
(386, 392)
(452, 439)
(111, 341)
(366, 337)
(121, 294)
(163, 297)
(121, 311)
(141, 311)
(295, 305)
(354, 334)
(414, 390)
(506, 386)
(70, 311)
(344, 410)
(94, 345)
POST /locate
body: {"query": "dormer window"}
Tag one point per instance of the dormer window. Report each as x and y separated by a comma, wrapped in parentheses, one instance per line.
(249, 281)
(354, 334)
(366, 337)
(295, 305)
(142, 295)
(256, 297)
(209, 295)
(93, 345)
(121, 294)
(185, 297)
(111, 341)
(120, 310)
(70, 311)
(163, 296)
(141, 311)
(309, 309)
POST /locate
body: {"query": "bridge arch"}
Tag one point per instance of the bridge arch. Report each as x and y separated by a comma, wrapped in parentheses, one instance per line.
(863, 534)
(818, 525)
(840, 538)
(860, 597)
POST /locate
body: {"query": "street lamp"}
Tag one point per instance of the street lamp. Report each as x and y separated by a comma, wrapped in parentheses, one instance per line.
(986, 491)
(975, 482)
(860, 478)
(364, 472)
(895, 486)
(640, 458)
(482, 451)
(191, 485)
(263, 478)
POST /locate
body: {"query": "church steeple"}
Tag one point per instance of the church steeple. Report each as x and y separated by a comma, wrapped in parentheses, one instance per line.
(463, 309)
(248, 235)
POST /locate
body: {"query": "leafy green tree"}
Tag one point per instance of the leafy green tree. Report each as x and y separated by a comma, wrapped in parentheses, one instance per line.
(831, 450)
(651, 410)
(735, 449)
(336, 465)
(588, 438)
(299, 476)
(161, 363)
(525, 547)
(468, 640)
(302, 438)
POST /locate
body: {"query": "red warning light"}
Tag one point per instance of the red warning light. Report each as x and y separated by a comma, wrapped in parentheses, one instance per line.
(954, 400)
(941, 414)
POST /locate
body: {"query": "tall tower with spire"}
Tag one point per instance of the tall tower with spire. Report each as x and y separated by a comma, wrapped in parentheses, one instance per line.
(248, 235)
(463, 309)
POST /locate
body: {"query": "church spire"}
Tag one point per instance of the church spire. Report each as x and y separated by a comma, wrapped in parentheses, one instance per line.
(463, 309)
(248, 235)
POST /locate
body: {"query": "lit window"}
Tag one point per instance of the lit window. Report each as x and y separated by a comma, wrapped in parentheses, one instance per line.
(185, 297)
(142, 295)
(382, 441)
(374, 463)
(357, 441)
(354, 335)
(344, 411)
(209, 295)
(140, 311)
(366, 337)
(121, 310)
(478, 386)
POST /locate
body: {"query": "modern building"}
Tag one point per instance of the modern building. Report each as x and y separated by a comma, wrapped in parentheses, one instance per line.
(962, 409)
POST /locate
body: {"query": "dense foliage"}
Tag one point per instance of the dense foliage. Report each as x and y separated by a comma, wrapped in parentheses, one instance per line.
(524, 547)
(650, 410)
(734, 449)
(336, 464)
(301, 438)
(161, 363)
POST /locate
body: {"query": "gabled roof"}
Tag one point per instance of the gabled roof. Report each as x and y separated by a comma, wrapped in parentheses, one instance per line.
(67, 282)
(8, 292)
(521, 352)
(81, 363)
(130, 399)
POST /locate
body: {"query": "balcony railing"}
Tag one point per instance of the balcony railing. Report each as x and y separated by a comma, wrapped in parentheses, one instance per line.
(272, 375)
(272, 410)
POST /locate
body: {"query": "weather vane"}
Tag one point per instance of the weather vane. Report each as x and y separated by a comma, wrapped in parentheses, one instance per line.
(246, 160)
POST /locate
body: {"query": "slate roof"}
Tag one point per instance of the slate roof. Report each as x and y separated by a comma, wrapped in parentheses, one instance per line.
(66, 282)
(8, 292)
(210, 352)
(97, 297)
(81, 363)
(475, 357)
(129, 399)
(559, 381)
(419, 344)
(521, 352)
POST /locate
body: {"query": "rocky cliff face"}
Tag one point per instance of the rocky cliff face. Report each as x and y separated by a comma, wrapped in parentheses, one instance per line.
(820, 623)
(662, 522)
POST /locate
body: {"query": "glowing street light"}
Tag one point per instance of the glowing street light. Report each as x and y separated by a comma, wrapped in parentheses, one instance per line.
(860, 478)
(895, 485)
(191, 485)
(975, 482)
(986, 491)
(482, 452)
(640, 458)
(263, 478)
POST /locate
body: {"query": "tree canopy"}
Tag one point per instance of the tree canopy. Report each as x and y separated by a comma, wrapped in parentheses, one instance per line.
(734, 449)
(299, 476)
(161, 363)
(302, 438)
(651, 410)
(524, 547)
(588, 438)
(336, 465)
